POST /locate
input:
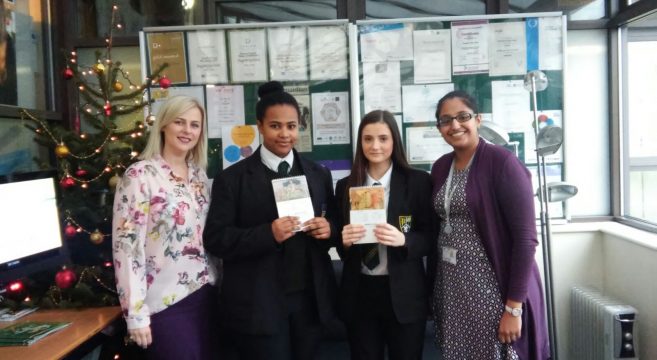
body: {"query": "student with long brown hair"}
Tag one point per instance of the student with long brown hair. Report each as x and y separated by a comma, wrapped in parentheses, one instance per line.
(383, 296)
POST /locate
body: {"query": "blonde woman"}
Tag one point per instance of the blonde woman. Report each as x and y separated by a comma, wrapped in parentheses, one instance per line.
(162, 271)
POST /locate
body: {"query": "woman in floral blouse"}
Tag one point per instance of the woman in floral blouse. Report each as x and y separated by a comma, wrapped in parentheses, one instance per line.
(162, 271)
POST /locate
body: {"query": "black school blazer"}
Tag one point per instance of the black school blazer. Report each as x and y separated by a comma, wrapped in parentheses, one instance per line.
(238, 230)
(410, 195)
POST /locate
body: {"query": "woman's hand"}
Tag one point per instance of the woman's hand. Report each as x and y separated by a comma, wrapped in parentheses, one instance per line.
(318, 227)
(284, 227)
(141, 336)
(510, 327)
(352, 233)
(389, 235)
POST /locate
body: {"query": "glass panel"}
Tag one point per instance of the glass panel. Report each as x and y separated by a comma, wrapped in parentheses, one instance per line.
(393, 9)
(17, 147)
(230, 12)
(641, 127)
(23, 82)
(575, 9)
(643, 193)
(95, 15)
(587, 97)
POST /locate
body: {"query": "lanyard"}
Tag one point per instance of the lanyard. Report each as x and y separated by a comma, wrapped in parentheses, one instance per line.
(449, 193)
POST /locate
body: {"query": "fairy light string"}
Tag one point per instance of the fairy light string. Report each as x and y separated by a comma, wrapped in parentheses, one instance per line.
(102, 99)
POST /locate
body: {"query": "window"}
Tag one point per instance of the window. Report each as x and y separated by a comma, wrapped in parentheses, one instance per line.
(94, 16)
(640, 127)
(231, 11)
(393, 9)
(575, 9)
(23, 51)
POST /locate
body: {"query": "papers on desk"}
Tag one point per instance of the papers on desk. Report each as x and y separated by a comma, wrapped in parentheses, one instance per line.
(28, 332)
(368, 209)
(8, 315)
(293, 198)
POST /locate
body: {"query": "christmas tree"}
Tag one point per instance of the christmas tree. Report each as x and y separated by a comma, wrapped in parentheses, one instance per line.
(91, 156)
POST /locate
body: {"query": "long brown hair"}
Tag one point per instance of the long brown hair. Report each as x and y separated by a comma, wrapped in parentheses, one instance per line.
(398, 157)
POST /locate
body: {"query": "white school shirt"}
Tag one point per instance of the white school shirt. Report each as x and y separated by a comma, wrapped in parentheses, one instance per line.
(382, 268)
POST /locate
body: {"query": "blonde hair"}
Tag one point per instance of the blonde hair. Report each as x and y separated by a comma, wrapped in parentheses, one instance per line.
(167, 113)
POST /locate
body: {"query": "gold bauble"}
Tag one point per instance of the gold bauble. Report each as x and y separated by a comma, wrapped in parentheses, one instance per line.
(113, 181)
(117, 86)
(62, 150)
(96, 237)
(99, 68)
(150, 120)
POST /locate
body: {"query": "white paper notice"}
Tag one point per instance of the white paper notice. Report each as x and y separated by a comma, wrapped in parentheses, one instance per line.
(470, 47)
(425, 144)
(293, 198)
(288, 53)
(225, 107)
(301, 94)
(432, 60)
(382, 87)
(510, 104)
(420, 101)
(328, 52)
(550, 43)
(386, 42)
(507, 48)
(330, 118)
(207, 57)
(248, 55)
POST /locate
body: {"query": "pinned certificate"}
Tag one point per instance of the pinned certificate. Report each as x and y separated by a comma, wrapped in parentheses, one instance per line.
(368, 209)
(293, 198)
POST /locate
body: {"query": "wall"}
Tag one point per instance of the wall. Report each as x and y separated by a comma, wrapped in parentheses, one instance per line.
(620, 260)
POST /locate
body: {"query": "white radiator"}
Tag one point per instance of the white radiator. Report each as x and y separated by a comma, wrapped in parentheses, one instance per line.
(602, 328)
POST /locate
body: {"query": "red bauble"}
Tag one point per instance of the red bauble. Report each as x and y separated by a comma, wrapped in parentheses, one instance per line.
(165, 82)
(65, 278)
(68, 73)
(66, 182)
(70, 231)
(80, 172)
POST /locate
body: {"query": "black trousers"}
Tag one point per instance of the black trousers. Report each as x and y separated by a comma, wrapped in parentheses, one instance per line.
(298, 339)
(375, 325)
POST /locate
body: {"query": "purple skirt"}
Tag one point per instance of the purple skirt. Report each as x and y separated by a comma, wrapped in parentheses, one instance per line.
(185, 330)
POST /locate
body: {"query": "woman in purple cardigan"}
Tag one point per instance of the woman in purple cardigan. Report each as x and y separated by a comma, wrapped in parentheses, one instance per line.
(488, 300)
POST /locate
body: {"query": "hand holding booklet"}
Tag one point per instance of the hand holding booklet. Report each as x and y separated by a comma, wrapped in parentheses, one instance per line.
(293, 198)
(368, 209)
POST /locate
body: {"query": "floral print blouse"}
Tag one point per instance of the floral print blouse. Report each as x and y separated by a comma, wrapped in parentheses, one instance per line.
(157, 238)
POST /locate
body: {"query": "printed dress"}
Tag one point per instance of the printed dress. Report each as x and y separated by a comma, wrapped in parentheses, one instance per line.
(157, 240)
(467, 303)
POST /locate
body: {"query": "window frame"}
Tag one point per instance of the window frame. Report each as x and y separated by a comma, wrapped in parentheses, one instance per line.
(619, 38)
(53, 108)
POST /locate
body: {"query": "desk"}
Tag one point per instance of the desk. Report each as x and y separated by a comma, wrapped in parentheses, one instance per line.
(85, 323)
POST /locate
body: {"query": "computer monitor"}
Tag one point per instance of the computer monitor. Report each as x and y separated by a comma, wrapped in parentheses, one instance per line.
(30, 224)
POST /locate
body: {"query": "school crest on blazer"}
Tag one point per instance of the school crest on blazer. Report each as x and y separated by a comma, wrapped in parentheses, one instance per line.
(405, 222)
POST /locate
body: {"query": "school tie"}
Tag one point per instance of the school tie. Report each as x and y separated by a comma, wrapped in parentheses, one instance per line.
(370, 254)
(283, 168)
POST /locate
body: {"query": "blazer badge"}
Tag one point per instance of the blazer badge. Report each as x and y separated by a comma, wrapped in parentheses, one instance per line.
(405, 223)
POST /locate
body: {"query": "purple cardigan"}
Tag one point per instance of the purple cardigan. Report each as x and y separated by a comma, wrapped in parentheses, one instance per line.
(501, 201)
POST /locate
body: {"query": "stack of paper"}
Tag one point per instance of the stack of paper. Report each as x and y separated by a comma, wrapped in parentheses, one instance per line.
(28, 332)
(9, 315)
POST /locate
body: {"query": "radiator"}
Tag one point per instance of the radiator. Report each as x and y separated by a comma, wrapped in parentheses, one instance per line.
(602, 328)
